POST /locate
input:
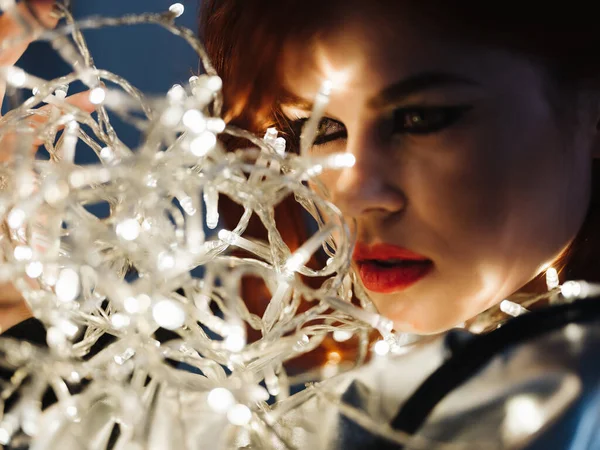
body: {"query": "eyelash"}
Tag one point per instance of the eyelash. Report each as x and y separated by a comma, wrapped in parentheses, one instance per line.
(405, 121)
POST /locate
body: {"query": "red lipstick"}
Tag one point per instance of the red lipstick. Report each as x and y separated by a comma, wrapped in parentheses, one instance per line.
(386, 268)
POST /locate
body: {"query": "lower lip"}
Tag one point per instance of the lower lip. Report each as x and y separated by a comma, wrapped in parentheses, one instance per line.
(386, 280)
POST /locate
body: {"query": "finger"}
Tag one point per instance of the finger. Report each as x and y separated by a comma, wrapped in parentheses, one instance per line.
(10, 140)
(10, 28)
(80, 100)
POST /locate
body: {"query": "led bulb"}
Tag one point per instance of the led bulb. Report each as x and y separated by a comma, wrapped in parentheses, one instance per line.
(34, 269)
(214, 83)
(341, 161)
(194, 121)
(16, 218)
(381, 348)
(177, 93)
(71, 411)
(129, 229)
(16, 77)
(168, 314)
(107, 154)
(61, 91)
(23, 253)
(524, 416)
(67, 285)
(215, 125)
(280, 145)
(177, 9)
(239, 415)
(341, 335)
(172, 116)
(571, 289)
(119, 321)
(512, 309)
(270, 135)
(166, 261)
(97, 96)
(202, 144)
(235, 340)
(552, 280)
(220, 400)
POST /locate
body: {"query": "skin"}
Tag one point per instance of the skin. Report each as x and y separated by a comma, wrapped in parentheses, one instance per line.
(490, 198)
(13, 308)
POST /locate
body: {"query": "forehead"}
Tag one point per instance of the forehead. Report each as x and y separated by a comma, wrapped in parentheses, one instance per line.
(363, 50)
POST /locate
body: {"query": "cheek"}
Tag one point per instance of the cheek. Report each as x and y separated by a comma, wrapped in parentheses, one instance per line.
(498, 189)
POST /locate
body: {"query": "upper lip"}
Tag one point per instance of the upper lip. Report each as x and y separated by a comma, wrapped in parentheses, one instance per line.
(382, 252)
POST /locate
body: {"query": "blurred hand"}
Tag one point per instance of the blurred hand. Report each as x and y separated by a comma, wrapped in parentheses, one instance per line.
(13, 308)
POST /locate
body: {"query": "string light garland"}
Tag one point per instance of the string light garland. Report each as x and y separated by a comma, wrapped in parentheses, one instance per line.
(74, 268)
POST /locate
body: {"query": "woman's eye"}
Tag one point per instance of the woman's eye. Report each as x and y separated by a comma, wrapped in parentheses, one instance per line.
(329, 130)
(426, 120)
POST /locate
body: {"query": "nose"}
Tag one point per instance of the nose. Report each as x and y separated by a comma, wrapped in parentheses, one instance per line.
(370, 186)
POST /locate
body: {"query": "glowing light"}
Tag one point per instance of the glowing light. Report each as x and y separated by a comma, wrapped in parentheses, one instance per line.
(134, 305)
(194, 121)
(571, 289)
(330, 370)
(270, 135)
(61, 91)
(211, 198)
(5, 435)
(574, 332)
(214, 83)
(202, 144)
(215, 125)
(280, 145)
(67, 285)
(334, 357)
(56, 192)
(97, 96)
(129, 229)
(341, 335)
(326, 87)
(23, 253)
(239, 415)
(74, 377)
(16, 77)
(166, 261)
(296, 261)
(177, 93)
(512, 309)
(235, 340)
(107, 154)
(68, 328)
(55, 337)
(220, 400)
(341, 161)
(34, 269)
(523, 416)
(119, 320)
(168, 314)
(16, 218)
(71, 411)
(177, 9)
(381, 348)
(171, 117)
(552, 278)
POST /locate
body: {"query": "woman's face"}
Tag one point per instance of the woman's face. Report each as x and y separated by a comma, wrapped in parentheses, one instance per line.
(462, 158)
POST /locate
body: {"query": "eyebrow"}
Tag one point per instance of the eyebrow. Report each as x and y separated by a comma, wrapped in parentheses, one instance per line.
(395, 93)
(417, 83)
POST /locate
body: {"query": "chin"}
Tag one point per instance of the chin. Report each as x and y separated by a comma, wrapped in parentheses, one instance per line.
(414, 315)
